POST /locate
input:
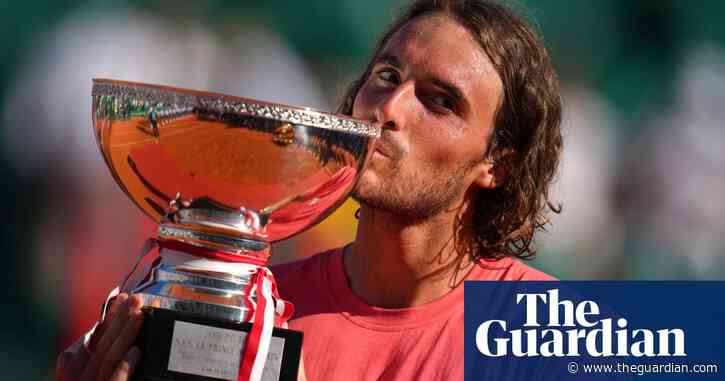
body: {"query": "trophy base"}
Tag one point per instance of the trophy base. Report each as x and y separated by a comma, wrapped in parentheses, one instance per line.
(178, 346)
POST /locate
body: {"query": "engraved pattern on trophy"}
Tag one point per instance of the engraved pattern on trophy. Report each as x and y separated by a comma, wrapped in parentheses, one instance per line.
(227, 176)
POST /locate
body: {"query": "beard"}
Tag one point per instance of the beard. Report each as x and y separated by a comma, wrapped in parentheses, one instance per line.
(412, 195)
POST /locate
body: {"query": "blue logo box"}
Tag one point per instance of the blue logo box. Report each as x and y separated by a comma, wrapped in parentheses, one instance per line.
(585, 330)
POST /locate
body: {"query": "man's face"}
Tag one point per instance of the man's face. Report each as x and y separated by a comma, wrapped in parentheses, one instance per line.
(434, 92)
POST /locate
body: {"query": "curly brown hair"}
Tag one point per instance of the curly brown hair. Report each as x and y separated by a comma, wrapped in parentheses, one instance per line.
(527, 122)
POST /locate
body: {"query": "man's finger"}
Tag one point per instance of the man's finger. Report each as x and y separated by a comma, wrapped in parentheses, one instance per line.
(121, 345)
(127, 365)
(117, 302)
(119, 321)
(109, 337)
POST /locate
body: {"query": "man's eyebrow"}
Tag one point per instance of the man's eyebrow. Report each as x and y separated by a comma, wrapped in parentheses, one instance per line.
(450, 88)
(389, 59)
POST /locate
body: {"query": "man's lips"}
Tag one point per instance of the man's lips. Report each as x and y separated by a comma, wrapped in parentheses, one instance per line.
(380, 148)
(387, 146)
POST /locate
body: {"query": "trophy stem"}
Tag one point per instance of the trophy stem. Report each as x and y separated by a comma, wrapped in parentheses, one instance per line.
(250, 249)
(209, 274)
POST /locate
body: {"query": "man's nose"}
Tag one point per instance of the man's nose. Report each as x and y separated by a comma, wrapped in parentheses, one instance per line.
(394, 108)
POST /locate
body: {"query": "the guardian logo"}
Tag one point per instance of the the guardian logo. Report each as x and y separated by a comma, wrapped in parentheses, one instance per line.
(573, 329)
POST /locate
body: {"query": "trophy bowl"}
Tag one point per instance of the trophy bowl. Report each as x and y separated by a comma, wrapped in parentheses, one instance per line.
(223, 177)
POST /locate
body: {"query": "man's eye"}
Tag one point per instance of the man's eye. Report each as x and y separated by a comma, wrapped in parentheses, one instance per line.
(388, 75)
(443, 101)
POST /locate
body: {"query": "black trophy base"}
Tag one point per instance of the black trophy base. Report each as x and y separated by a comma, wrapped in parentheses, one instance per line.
(177, 346)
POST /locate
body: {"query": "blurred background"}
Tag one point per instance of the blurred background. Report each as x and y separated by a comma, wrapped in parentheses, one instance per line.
(642, 181)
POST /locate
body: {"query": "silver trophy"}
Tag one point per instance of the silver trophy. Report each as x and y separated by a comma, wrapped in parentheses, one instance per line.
(223, 177)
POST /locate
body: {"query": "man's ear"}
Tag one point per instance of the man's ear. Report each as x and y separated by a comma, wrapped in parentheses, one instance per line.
(494, 170)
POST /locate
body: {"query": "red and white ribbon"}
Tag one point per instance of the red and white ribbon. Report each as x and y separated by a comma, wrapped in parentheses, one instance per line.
(256, 347)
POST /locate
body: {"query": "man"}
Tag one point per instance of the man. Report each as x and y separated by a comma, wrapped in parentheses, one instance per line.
(456, 188)
(154, 121)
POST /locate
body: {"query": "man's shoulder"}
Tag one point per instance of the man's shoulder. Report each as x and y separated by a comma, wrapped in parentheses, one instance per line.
(511, 269)
(523, 271)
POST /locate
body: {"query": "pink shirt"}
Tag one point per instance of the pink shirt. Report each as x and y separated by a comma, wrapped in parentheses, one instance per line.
(347, 339)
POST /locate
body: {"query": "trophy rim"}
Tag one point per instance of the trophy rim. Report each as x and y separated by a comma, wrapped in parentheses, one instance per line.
(303, 115)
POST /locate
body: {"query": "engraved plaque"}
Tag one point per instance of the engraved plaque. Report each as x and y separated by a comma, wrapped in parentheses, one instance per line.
(215, 352)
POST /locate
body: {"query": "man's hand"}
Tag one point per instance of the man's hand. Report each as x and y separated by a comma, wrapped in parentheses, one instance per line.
(113, 358)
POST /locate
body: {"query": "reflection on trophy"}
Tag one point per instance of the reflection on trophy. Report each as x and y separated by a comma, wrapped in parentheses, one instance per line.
(223, 177)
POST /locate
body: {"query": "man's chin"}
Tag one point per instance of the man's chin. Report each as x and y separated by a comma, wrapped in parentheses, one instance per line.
(404, 205)
(363, 195)
(373, 204)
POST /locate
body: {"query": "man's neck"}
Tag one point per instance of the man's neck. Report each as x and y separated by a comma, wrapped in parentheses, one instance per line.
(397, 264)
